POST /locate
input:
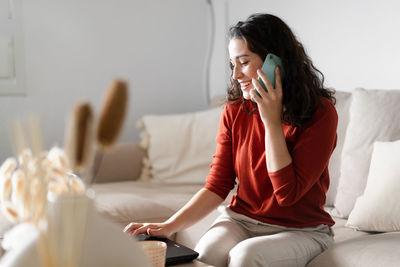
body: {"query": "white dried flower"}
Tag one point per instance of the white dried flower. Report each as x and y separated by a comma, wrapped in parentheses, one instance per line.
(18, 188)
(5, 187)
(10, 211)
(8, 166)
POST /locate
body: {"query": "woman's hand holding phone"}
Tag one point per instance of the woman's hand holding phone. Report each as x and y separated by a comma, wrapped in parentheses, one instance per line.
(269, 102)
(270, 63)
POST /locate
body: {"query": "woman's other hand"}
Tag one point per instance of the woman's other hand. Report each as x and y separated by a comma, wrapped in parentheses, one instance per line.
(152, 229)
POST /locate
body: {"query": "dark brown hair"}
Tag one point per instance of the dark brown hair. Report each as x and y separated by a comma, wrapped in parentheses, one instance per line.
(303, 84)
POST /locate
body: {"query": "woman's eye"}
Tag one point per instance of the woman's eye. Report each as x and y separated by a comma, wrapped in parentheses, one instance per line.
(244, 63)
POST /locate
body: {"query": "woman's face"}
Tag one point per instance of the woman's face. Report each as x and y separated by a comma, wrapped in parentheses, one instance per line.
(244, 65)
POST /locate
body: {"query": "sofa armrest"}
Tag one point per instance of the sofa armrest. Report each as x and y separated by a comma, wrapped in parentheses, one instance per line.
(122, 162)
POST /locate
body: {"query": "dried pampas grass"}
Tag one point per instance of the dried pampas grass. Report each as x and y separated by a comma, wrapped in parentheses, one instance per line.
(79, 143)
(25, 183)
(113, 113)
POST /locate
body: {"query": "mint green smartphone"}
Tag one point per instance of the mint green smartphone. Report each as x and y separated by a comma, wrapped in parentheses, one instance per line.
(270, 63)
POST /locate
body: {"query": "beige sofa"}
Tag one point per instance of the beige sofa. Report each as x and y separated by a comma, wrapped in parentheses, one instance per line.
(149, 181)
(366, 229)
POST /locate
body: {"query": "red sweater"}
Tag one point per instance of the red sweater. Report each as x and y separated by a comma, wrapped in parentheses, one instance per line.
(293, 196)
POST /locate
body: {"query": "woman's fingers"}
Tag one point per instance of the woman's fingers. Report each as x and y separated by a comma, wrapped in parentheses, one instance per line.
(260, 89)
(145, 229)
(136, 229)
(278, 81)
(270, 103)
(131, 227)
(265, 79)
(257, 97)
(157, 232)
(277, 91)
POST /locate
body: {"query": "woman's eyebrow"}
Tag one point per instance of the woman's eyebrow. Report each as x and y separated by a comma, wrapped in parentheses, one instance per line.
(242, 55)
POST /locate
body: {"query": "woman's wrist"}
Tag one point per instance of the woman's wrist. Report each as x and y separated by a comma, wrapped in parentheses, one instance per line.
(273, 127)
(172, 225)
(277, 154)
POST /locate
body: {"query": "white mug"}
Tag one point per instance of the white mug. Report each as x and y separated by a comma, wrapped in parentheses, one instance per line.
(155, 251)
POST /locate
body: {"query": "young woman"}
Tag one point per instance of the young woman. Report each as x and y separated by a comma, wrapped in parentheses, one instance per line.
(276, 149)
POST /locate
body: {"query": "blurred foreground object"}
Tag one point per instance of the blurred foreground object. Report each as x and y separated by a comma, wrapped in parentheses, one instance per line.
(41, 189)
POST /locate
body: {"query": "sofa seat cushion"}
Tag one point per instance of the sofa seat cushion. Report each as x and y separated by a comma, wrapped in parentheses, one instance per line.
(343, 233)
(124, 202)
(370, 250)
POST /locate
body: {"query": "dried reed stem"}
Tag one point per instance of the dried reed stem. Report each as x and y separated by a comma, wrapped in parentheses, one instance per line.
(113, 113)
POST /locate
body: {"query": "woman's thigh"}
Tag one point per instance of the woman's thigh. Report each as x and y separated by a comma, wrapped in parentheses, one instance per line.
(214, 246)
(287, 248)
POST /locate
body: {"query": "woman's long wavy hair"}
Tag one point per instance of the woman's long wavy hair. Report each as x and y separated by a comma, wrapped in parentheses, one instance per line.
(303, 84)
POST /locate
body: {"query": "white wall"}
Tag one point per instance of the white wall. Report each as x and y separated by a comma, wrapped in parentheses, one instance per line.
(74, 48)
(355, 43)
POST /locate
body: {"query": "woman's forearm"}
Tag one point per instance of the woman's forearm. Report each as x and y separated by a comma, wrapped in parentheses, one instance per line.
(277, 153)
(200, 205)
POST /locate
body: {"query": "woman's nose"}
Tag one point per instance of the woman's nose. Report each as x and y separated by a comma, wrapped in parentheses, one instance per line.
(236, 72)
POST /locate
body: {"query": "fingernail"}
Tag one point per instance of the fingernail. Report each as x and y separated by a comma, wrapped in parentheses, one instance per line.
(126, 227)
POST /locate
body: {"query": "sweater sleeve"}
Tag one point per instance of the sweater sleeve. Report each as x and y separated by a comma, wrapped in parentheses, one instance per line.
(221, 178)
(310, 157)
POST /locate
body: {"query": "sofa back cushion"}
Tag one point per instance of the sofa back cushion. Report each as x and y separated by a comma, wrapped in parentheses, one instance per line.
(122, 162)
(180, 146)
(374, 116)
(343, 101)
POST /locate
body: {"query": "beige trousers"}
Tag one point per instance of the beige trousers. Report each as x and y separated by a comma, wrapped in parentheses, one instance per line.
(236, 240)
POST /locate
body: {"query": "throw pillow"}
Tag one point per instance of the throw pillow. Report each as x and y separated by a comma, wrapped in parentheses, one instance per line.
(378, 208)
(180, 146)
(374, 116)
(127, 156)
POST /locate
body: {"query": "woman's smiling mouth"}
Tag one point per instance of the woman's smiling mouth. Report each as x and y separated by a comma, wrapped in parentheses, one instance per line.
(244, 85)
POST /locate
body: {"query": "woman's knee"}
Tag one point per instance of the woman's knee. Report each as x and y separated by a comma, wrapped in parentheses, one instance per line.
(212, 253)
(214, 246)
(283, 249)
(244, 255)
